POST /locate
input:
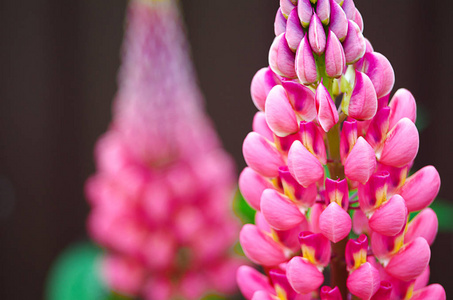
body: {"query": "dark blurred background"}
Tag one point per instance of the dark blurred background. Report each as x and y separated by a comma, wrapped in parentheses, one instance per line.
(58, 76)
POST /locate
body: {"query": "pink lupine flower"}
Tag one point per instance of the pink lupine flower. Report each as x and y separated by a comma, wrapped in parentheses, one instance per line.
(319, 170)
(163, 183)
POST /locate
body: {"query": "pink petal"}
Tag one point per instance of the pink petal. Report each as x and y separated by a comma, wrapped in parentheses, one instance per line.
(302, 99)
(421, 188)
(261, 155)
(364, 282)
(305, 63)
(262, 83)
(323, 11)
(252, 185)
(378, 68)
(250, 280)
(362, 105)
(354, 44)
(424, 225)
(294, 30)
(279, 23)
(402, 105)
(338, 20)
(280, 115)
(422, 280)
(279, 211)
(303, 276)
(335, 223)
(410, 261)
(281, 58)
(260, 126)
(401, 145)
(335, 58)
(327, 112)
(317, 35)
(303, 165)
(433, 291)
(327, 293)
(384, 292)
(390, 218)
(361, 162)
(286, 6)
(305, 12)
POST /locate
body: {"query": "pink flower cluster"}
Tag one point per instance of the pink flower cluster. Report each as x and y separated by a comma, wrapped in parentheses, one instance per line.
(161, 197)
(328, 163)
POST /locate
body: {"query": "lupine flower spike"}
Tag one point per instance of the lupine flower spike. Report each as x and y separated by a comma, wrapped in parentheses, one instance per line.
(161, 195)
(328, 164)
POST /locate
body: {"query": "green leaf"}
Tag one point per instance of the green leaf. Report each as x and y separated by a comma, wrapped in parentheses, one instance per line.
(444, 211)
(242, 209)
(75, 275)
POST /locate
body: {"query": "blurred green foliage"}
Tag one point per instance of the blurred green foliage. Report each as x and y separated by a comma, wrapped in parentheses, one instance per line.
(242, 209)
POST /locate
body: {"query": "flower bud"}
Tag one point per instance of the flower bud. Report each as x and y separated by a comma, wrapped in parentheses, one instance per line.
(262, 83)
(303, 165)
(361, 104)
(279, 23)
(280, 115)
(315, 248)
(279, 211)
(424, 225)
(260, 126)
(327, 112)
(358, 19)
(294, 30)
(365, 281)
(304, 197)
(335, 58)
(302, 100)
(252, 185)
(354, 44)
(259, 247)
(338, 20)
(317, 35)
(390, 218)
(421, 188)
(323, 11)
(305, 12)
(311, 280)
(401, 145)
(250, 280)
(349, 9)
(335, 223)
(261, 155)
(410, 261)
(361, 162)
(377, 67)
(281, 58)
(286, 6)
(327, 293)
(402, 105)
(305, 63)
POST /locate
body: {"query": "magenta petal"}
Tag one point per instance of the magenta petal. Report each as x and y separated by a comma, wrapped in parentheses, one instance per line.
(401, 145)
(378, 129)
(328, 293)
(323, 11)
(261, 155)
(311, 279)
(305, 197)
(410, 261)
(305, 12)
(335, 223)
(390, 218)
(433, 291)
(280, 115)
(327, 112)
(349, 9)
(356, 252)
(358, 19)
(360, 223)
(260, 126)
(294, 30)
(315, 247)
(402, 106)
(361, 162)
(303, 165)
(305, 63)
(337, 191)
(348, 138)
(279, 23)
(424, 225)
(364, 282)
(362, 104)
(263, 81)
(354, 44)
(312, 138)
(422, 280)
(338, 20)
(378, 68)
(335, 58)
(260, 248)
(317, 35)
(279, 211)
(384, 292)
(250, 280)
(281, 58)
(252, 186)
(286, 6)
(374, 192)
(302, 99)
(421, 188)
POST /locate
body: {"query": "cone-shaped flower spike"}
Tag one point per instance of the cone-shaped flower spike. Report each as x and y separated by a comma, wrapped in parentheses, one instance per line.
(161, 171)
(329, 153)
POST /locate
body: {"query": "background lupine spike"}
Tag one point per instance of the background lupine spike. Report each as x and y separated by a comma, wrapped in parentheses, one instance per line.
(160, 166)
(342, 167)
